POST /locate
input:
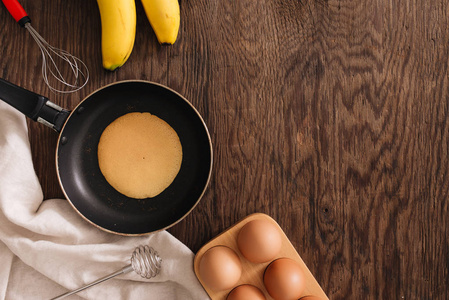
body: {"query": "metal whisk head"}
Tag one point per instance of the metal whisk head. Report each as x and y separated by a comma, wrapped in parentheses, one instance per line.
(146, 262)
(68, 80)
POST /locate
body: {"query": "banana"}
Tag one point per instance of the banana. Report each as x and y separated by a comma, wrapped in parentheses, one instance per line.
(118, 31)
(164, 18)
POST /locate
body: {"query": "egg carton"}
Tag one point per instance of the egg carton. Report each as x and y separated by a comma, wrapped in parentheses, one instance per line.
(252, 273)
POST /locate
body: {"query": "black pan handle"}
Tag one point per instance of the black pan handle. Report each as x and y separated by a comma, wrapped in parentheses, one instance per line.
(34, 106)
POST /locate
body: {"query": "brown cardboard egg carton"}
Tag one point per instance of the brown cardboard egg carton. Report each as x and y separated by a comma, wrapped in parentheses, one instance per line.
(252, 273)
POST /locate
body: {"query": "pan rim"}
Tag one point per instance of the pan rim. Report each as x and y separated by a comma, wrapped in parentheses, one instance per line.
(210, 149)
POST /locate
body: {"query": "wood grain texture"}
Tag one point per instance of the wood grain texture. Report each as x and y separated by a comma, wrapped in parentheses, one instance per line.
(330, 116)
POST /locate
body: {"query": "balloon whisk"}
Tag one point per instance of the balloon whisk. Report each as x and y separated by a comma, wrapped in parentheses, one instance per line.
(71, 79)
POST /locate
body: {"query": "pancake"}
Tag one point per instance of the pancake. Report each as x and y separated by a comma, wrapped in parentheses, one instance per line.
(139, 154)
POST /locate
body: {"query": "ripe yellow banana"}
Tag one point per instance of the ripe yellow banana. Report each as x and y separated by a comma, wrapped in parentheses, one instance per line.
(118, 31)
(164, 17)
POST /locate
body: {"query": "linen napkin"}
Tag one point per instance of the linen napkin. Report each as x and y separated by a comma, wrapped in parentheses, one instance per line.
(46, 248)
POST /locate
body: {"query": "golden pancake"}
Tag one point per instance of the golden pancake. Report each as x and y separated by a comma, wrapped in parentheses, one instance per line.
(139, 154)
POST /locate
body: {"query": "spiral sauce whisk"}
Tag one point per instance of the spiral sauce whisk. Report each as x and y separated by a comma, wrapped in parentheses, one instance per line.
(145, 261)
(68, 80)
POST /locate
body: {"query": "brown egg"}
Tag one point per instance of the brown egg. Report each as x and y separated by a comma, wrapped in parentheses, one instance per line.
(310, 298)
(259, 241)
(284, 279)
(220, 268)
(246, 292)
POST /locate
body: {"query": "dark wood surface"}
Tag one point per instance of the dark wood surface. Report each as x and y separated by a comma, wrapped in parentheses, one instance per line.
(330, 116)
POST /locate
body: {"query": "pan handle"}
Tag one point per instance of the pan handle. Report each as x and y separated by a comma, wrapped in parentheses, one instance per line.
(34, 106)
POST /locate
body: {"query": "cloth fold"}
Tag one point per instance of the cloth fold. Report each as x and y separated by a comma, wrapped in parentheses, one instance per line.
(46, 248)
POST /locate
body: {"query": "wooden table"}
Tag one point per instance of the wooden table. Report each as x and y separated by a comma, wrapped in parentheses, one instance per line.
(330, 116)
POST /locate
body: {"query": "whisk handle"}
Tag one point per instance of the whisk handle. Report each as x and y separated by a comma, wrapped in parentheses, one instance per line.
(34, 106)
(125, 270)
(17, 12)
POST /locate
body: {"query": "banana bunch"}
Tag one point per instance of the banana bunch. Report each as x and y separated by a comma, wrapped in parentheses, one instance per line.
(118, 27)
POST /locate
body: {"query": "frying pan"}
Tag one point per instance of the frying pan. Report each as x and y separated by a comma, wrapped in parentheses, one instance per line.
(76, 154)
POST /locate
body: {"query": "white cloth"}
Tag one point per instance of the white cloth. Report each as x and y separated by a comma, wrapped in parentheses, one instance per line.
(46, 249)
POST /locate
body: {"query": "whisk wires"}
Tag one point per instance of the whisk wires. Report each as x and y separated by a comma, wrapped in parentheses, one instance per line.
(62, 82)
(146, 262)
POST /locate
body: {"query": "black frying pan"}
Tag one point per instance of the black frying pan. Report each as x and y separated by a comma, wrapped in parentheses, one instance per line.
(76, 155)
